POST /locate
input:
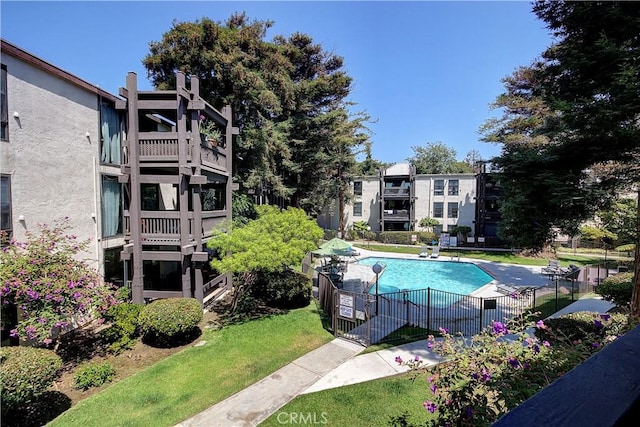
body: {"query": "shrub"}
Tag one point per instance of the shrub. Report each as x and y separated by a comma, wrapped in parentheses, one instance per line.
(167, 320)
(404, 237)
(485, 376)
(93, 375)
(617, 288)
(577, 327)
(122, 333)
(25, 373)
(51, 287)
(283, 289)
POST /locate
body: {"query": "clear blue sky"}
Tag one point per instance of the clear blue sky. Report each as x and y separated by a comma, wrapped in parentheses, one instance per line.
(425, 71)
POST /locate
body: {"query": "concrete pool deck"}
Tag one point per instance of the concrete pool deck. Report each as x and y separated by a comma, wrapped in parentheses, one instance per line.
(339, 362)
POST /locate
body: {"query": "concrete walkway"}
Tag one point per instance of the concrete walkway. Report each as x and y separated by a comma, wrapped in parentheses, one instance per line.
(339, 363)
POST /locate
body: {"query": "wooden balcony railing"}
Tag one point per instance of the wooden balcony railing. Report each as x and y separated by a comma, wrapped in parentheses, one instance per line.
(159, 227)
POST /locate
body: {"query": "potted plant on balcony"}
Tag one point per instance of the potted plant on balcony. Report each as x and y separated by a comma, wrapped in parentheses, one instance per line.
(209, 132)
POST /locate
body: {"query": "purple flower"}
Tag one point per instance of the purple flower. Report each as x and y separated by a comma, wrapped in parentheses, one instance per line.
(526, 366)
(595, 345)
(605, 317)
(430, 406)
(474, 376)
(499, 328)
(430, 379)
(598, 324)
(398, 360)
(514, 362)
(540, 325)
(443, 330)
(536, 349)
(469, 411)
(546, 343)
(429, 345)
(486, 375)
(433, 388)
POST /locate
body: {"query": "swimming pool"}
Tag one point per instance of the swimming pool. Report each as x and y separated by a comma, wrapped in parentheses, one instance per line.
(405, 274)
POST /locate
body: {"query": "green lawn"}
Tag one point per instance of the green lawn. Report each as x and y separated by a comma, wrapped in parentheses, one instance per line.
(503, 257)
(194, 379)
(371, 403)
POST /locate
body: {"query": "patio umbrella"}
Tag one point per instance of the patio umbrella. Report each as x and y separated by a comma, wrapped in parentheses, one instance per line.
(334, 247)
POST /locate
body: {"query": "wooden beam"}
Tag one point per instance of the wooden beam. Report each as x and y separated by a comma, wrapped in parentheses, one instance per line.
(121, 104)
(200, 257)
(159, 179)
(123, 92)
(123, 179)
(188, 249)
(161, 256)
(195, 104)
(197, 179)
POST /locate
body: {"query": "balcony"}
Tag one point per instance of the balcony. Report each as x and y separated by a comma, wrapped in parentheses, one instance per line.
(396, 192)
(395, 215)
(163, 227)
(160, 147)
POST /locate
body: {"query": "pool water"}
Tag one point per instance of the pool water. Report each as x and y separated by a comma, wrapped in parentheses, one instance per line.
(405, 274)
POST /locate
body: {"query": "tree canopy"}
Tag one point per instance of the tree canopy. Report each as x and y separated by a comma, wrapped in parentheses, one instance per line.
(437, 158)
(273, 241)
(297, 138)
(570, 131)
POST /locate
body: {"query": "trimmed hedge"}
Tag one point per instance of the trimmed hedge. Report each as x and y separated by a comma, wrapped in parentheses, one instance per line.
(168, 320)
(404, 237)
(283, 289)
(93, 375)
(617, 288)
(25, 373)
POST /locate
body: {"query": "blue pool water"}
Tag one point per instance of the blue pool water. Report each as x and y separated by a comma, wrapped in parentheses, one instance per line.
(405, 274)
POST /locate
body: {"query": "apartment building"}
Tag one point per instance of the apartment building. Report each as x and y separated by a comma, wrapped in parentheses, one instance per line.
(130, 172)
(398, 198)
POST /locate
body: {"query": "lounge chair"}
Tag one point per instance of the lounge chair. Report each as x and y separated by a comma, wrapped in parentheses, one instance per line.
(436, 252)
(424, 252)
(553, 269)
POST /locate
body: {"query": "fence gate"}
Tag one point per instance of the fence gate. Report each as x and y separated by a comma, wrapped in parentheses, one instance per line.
(349, 311)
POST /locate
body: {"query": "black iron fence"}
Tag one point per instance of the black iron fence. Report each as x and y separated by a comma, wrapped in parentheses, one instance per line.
(414, 314)
(405, 315)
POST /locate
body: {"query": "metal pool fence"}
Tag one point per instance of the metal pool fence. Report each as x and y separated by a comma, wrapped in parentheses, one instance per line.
(370, 319)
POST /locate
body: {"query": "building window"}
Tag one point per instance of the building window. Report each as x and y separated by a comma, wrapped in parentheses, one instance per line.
(110, 133)
(357, 209)
(438, 187)
(214, 197)
(111, 206)
(437, 209)
(4, 107)
(113, 267)
(160, 197)
(357, 188)
(5, 208)
(453, 187)
(452, 210)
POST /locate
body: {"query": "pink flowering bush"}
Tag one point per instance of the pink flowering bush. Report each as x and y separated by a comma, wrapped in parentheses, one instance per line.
(487, 375)
(49, 287)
